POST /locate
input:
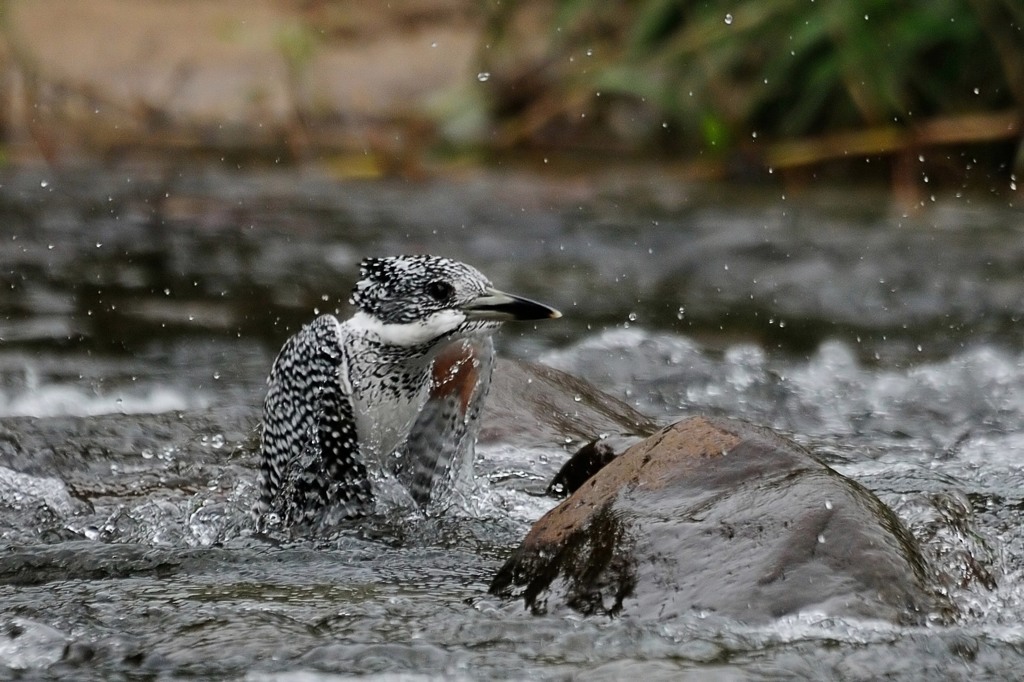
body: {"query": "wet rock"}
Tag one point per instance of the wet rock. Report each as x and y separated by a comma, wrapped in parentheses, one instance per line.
(717, 515)
(535, 405)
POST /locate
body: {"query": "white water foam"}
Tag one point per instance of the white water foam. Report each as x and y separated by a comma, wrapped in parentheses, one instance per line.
(68, 400)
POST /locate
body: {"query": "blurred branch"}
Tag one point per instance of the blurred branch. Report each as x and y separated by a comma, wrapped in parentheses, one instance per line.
(967, 129)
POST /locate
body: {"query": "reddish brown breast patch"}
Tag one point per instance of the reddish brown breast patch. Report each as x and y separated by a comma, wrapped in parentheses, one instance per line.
(456, 372)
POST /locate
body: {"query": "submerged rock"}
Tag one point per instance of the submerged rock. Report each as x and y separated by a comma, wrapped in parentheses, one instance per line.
(717, 515)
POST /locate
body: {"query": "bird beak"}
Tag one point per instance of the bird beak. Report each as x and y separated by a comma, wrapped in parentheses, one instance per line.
(497, 305)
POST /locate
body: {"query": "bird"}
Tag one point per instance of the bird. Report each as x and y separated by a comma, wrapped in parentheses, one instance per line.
(392, 393)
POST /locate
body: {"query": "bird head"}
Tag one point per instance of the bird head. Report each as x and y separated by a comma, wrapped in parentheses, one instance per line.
(411, 300)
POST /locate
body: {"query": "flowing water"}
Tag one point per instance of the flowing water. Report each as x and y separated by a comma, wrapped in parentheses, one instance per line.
(140, 312)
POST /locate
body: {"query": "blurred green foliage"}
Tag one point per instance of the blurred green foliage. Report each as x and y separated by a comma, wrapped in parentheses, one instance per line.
(715, 71)
(297, 42)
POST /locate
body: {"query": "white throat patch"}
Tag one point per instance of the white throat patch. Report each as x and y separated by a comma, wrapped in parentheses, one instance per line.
(408, 334)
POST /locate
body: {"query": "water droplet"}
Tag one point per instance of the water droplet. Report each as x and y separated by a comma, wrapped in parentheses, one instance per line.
(433, 44)
(46, 183)
(681, 313)
(728, 19)
(977, 91)
(590, 52)
(828, 504)
(577, 398)
(632, 317)
(821, 539)
(483, 76)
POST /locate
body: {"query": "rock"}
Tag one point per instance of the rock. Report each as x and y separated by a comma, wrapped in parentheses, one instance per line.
(717, 515)
(535, 405)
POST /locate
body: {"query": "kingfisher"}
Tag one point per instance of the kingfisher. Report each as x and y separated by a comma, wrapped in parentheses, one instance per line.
(392, 393)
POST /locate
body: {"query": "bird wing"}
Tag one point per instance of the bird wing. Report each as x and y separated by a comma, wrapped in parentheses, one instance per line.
(439, 449)
(310, 449)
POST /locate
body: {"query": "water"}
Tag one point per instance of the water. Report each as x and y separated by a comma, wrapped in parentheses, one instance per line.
(140, 319)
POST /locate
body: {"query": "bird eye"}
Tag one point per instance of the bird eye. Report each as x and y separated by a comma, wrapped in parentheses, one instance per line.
(440, 290)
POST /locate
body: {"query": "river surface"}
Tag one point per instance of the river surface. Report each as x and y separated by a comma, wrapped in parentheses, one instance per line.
(140, 312)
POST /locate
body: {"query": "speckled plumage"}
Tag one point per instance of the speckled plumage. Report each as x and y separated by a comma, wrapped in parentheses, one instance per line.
(394, 391)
